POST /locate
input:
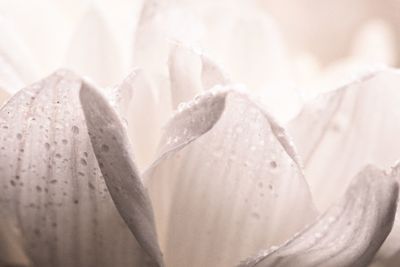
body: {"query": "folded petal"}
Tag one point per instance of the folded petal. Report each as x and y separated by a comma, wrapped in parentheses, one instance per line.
(51, 188)
(348, 234)
(339, 132)
(112, 150)
(93, 51)
(226, 183)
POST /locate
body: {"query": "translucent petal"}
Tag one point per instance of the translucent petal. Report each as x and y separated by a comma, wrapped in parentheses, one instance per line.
(338, 133)
(44, 30)
(16, 67)
(93, 51)
(342, 131)
(51, 187)
(143, 109)
(226, 183)
(112, 150)
(191, 73)
(349, 233)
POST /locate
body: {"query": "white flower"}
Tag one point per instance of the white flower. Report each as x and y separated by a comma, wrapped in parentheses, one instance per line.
(178, 165)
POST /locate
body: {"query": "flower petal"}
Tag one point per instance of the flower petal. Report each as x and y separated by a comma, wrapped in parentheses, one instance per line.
(3, 96)
(51, 185)
(349, 233)
(112, 150)
(346, 129)
(93, 51)
(12, 251)
(16, 67)
(191, 73)
(342, 131)
(134, 96)
(225, 174)
(43, 28)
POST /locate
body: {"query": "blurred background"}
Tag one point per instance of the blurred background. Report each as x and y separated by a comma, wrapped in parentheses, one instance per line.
(262, 43)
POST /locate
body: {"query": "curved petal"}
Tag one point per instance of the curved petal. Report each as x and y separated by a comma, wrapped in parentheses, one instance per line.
(50, 182)
(112, 150)
(134, 97)
(191, 73)
(346, 129)
(226, 173)
(93, 51)
(349, 233)
(339, 132)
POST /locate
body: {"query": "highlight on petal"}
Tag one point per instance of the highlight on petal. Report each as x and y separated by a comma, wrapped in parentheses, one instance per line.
(51, 188)
(226, 183)
(93, 51)
(112, 150)
(349, 233)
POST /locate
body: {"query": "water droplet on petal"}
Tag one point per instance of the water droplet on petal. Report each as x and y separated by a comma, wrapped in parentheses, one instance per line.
(75, 130)
(105, 148)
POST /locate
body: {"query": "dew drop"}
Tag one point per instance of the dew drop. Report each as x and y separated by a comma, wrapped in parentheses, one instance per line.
(83, 162)
(91, 186)
(19, 136)
(273, 164)
(105, 148)
(47, 146)
(75, 129)
(64, 141)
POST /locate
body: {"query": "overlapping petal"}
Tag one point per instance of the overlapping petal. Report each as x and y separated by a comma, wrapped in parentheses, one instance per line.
(112, 150)
(191, 73)
(144, 109)
(51, 188)
(349, 233)
(339, 132)
(346, 129)
(226, 183)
